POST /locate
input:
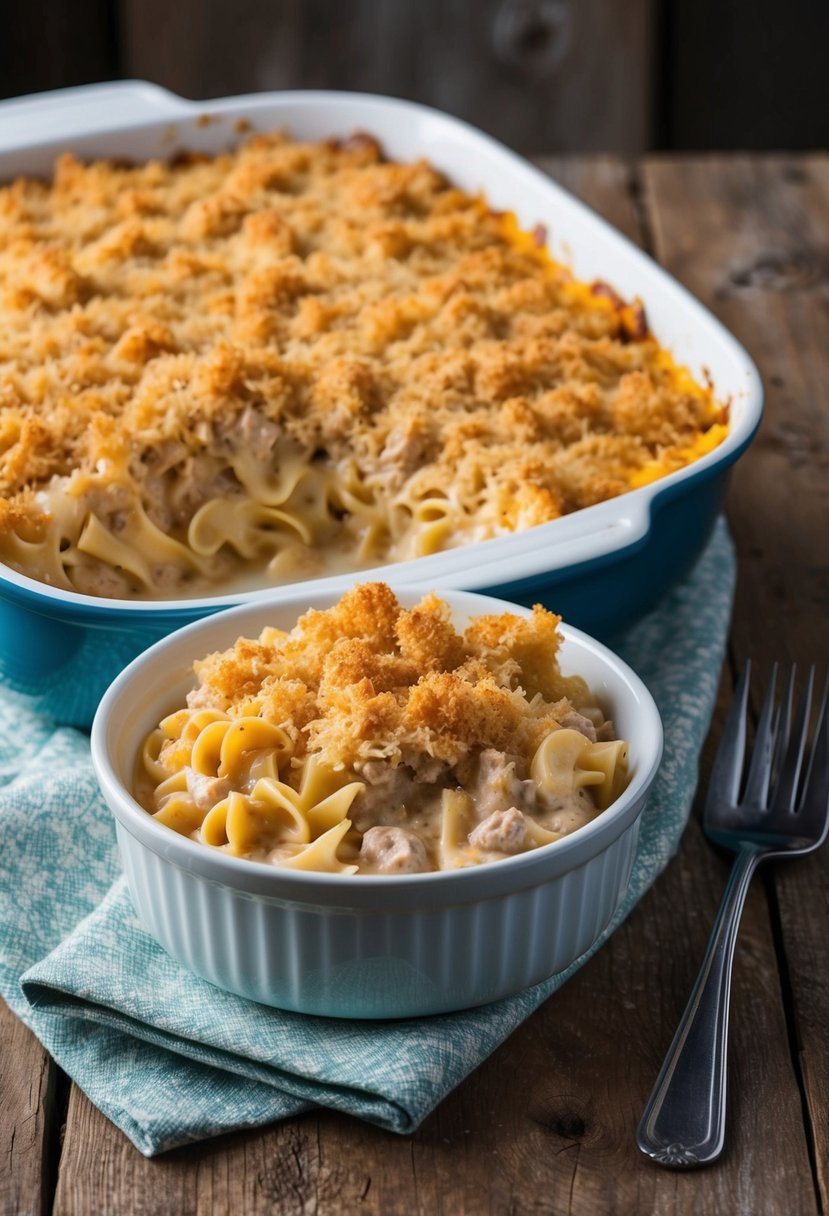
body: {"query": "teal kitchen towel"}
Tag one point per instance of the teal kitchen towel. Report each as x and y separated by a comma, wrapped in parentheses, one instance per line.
(169, 1058)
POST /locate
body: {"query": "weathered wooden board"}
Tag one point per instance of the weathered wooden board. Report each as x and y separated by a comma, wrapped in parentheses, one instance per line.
(759, 258)
(28, 1136)
(557, 75)
(51, 44)
(610, 75)
(746, 74)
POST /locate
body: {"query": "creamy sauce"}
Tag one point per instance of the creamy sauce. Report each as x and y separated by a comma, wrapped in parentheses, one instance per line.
(399, 823)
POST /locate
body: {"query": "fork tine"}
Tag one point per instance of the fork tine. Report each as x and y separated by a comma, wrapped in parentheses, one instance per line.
(757, 784)
(785, 795)
(814, 802)
(783, 726)
(724, 785)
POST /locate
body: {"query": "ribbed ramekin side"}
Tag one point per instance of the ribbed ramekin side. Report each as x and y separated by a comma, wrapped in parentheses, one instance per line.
(345, 962)
(571, 912)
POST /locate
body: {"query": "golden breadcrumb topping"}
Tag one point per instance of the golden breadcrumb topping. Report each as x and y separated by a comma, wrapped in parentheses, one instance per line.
(368, 679)
(315, 302)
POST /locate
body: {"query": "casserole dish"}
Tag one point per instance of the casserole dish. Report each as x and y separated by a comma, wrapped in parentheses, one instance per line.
(601, 567)
(368, 946)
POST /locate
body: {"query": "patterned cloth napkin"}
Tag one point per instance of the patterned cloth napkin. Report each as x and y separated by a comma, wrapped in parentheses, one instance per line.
(169, 1058)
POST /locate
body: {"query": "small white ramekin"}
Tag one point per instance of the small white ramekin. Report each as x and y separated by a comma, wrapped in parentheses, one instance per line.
(368, 946)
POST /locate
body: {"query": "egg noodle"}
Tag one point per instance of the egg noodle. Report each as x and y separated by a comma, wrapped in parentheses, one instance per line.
(373, 739)
(297, 358)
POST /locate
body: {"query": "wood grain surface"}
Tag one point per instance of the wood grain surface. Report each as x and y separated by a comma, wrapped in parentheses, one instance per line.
(546, 1124)
(537, 73)
(28, 1120)
(762, 266)
(53, 44)
(616, 75)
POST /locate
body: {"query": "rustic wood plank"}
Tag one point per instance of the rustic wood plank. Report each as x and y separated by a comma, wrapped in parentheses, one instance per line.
(757, 255)
(28, 1135)
(567, 76)
(746, 74)
(51, 44)
(547, 1123)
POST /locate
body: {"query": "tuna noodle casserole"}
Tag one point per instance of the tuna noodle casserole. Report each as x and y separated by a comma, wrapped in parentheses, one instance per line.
(294, 358)
(377, 740)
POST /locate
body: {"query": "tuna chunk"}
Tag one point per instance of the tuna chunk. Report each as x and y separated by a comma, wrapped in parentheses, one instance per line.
(501, 832)
(384, 797)
(584, 726)
(206, 791)
(393, 851)
(496, 786)
(425, 769)
(405, 450)
(258, 432)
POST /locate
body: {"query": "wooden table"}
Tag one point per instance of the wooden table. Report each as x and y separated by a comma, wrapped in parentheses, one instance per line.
(546, 1124)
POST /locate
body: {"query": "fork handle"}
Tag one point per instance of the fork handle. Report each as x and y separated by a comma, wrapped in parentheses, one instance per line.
(684, 1121)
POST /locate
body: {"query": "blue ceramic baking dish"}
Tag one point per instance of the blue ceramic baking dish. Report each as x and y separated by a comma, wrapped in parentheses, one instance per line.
(601, 568)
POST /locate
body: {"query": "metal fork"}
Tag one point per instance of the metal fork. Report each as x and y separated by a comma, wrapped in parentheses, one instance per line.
(778, 816)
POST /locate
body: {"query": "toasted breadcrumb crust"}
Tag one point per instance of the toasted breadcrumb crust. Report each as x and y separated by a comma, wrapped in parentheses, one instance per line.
(364, 310)
(368, 679)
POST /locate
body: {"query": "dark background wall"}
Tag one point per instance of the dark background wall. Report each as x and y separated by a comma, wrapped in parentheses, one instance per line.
(543, 75)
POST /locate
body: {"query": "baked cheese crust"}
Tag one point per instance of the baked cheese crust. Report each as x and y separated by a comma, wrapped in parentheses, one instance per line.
(299, 357)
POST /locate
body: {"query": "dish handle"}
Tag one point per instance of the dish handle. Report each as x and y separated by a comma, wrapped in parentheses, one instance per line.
(65, 113)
